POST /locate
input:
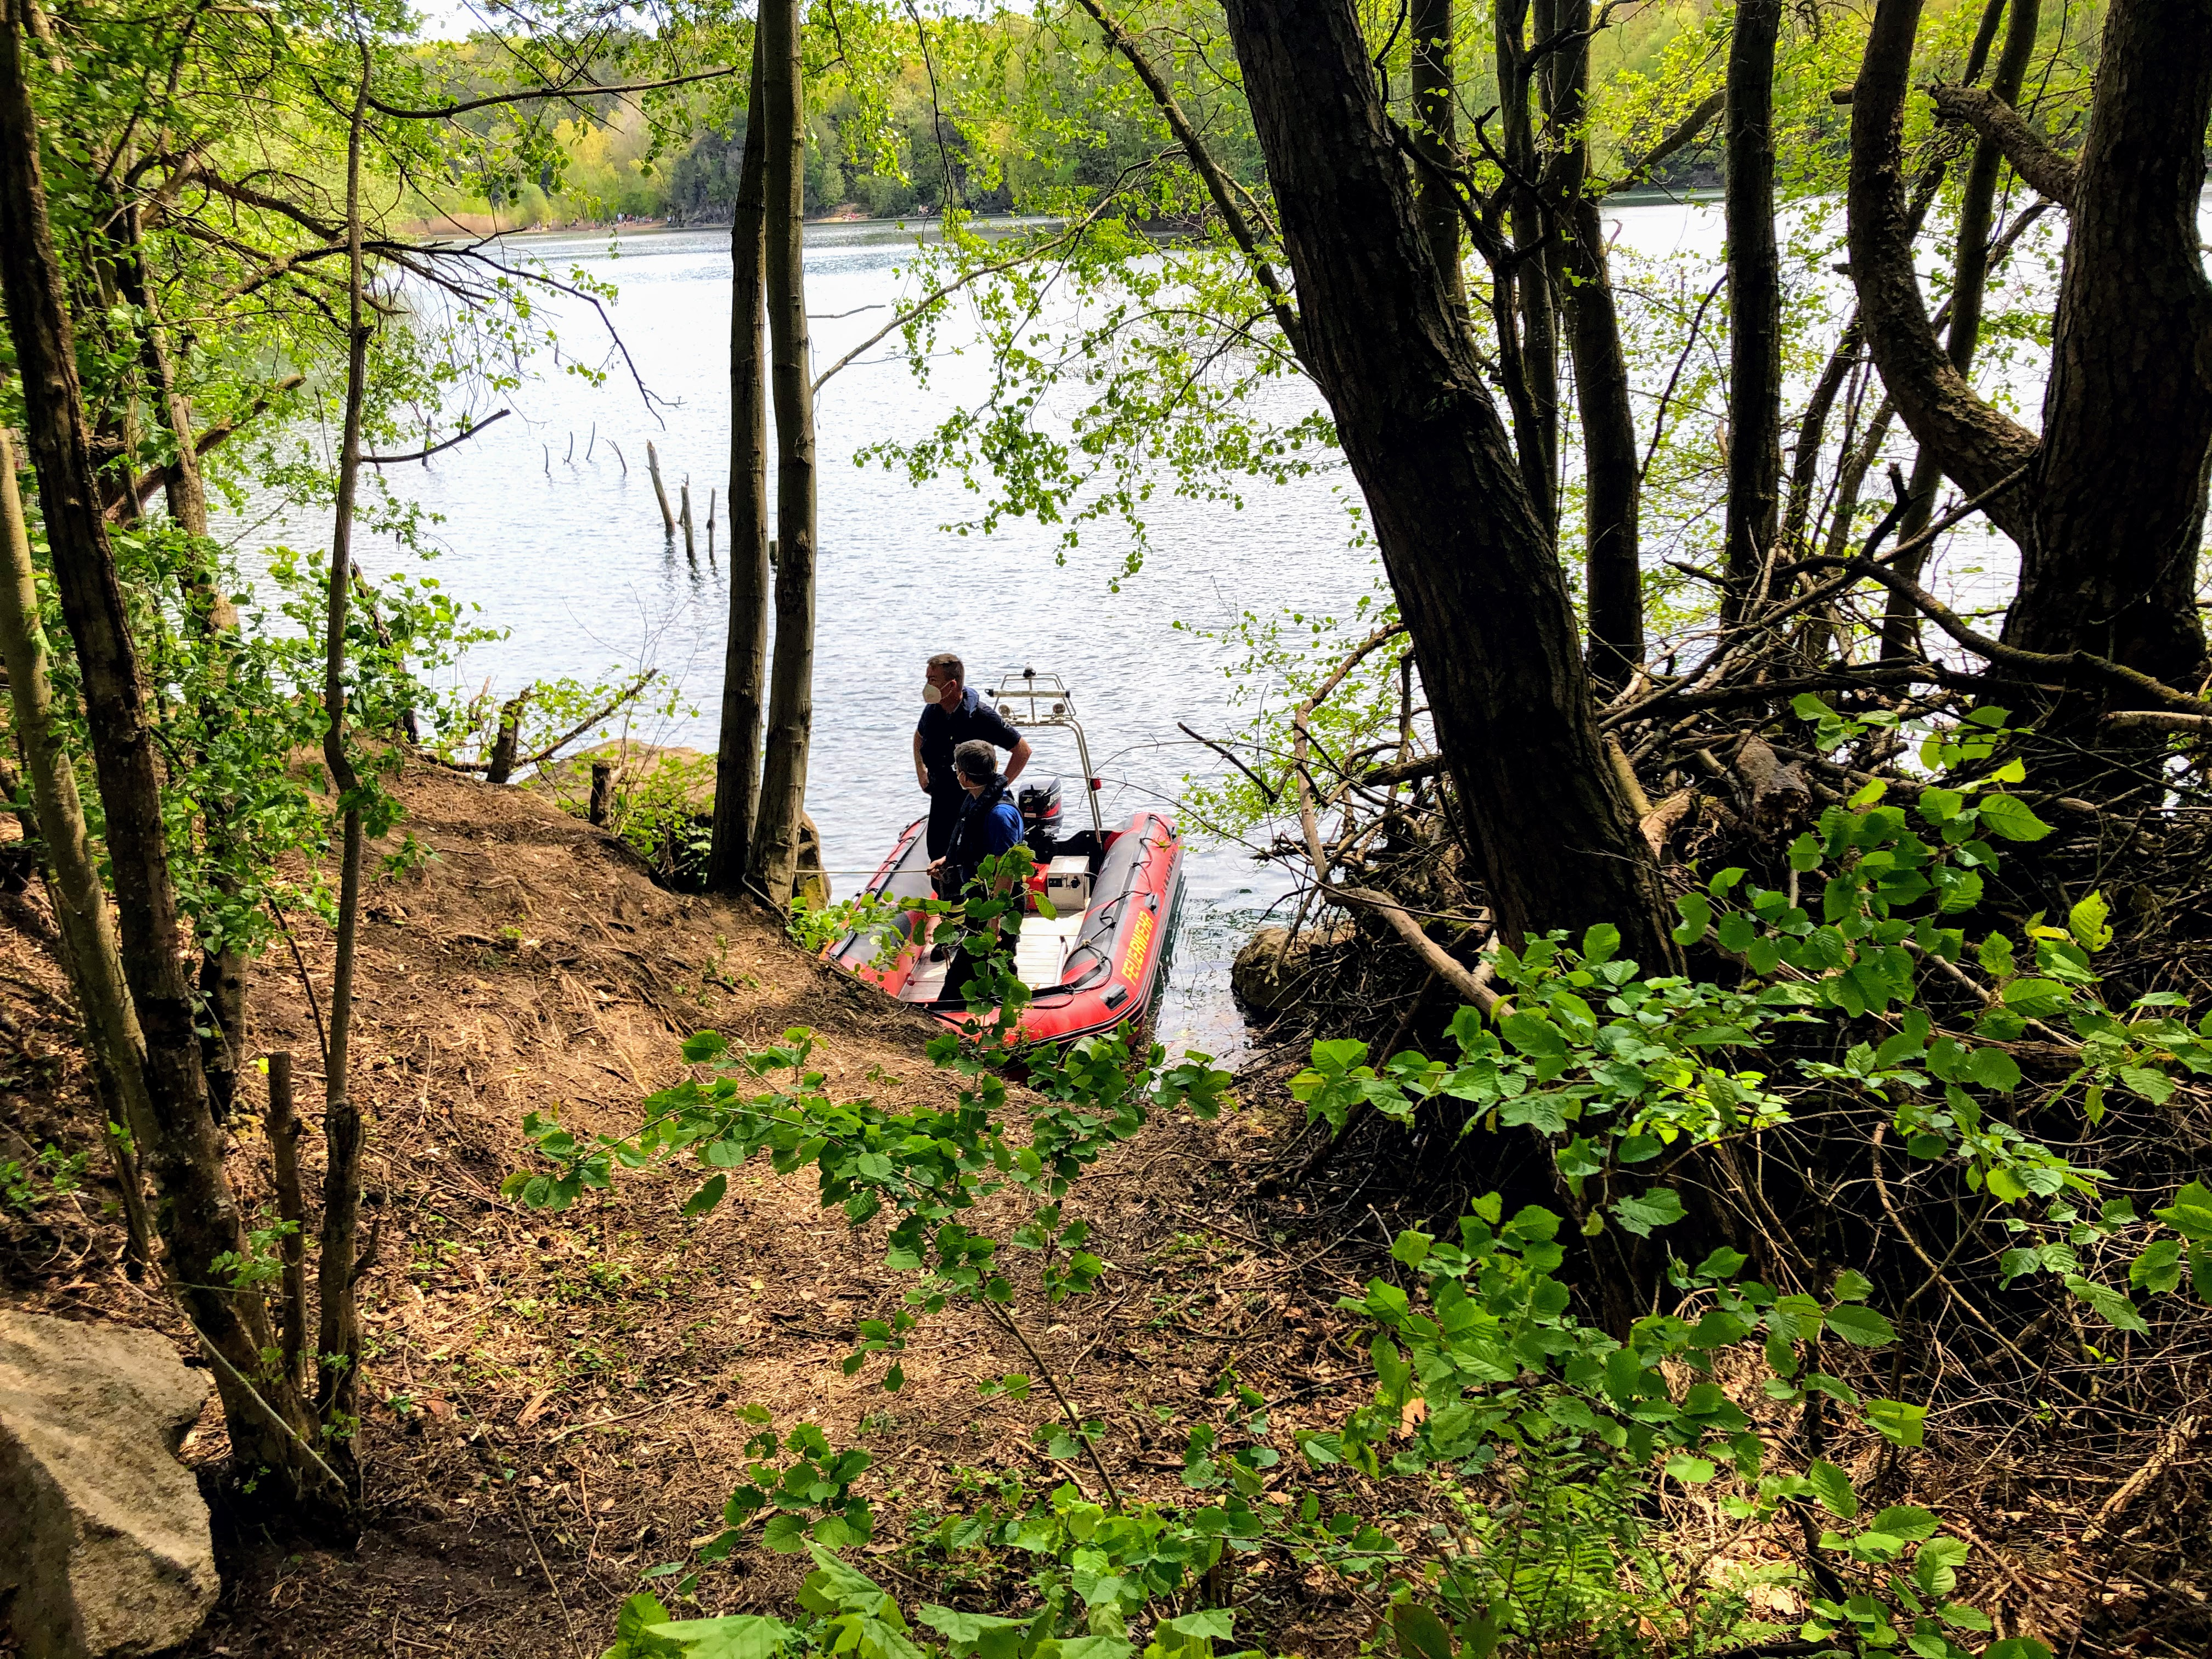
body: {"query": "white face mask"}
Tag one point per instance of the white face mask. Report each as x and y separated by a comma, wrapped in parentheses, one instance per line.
(932, 694)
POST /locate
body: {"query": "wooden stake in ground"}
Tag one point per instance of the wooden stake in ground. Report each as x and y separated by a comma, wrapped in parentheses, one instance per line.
(659, 490)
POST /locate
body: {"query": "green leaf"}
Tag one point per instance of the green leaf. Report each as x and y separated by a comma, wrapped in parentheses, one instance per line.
(1535, 1035)
(1723, 1263)
(2158, 1269)
(1411, 1247)
(2154, 1086)
(785, 1533)
(1600, 945)
(2191, 1212)
(1419, 1633)
(736, 1636)
(1905, 1522)
(1658, 1208)
(2009, 817)
(704, 1045)
(1897, 1420)
(1993, 1069)
(1833, 1488)
(1697, 916)
(708, 1196)
(2016, 1647)
(1852, 1286)
(1861, 1327)
(2087, 922)
(1689, 1471)
(2114, 1309)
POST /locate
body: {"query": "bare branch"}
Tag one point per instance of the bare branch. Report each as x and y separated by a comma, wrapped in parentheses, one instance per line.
(425, 454)
(581, 88)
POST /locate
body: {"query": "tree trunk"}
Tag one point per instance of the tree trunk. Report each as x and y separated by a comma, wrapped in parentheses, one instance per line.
(2127, 415)
(775, 857)
(2107, 505)
(1435, 119)
(222, 970)
(337, 1340)
(1474, 570)
(744, 661)
(199, 1216)
(1755, 274)
(1612, 572)
(1536, 412)
(1970, 275)
(81, 912)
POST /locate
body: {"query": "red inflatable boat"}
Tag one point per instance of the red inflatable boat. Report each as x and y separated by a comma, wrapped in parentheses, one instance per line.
(1101, 960)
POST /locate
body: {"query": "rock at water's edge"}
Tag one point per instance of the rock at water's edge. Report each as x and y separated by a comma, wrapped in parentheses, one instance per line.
(104, 1545)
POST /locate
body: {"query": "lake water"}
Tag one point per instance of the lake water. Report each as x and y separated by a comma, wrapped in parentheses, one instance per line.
(566, 549)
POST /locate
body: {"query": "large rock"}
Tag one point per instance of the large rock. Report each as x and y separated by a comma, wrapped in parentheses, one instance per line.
(104, 1545)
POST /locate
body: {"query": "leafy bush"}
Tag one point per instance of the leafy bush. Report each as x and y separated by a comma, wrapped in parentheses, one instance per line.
(1515, 1456)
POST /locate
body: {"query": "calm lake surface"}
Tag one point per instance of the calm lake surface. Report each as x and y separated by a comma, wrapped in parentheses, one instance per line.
(570, 556)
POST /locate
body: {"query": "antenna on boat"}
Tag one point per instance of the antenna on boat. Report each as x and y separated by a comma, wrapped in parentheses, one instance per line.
(1018, 705)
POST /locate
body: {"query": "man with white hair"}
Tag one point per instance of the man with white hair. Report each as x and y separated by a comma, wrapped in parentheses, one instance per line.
(952, 714)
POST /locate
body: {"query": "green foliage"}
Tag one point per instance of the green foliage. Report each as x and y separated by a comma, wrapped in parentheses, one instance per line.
(1544, 1440)
(50, 1173)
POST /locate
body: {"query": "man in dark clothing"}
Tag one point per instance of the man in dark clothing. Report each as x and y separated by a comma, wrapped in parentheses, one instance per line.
(953, 714)
(990, 826)
(989, 823)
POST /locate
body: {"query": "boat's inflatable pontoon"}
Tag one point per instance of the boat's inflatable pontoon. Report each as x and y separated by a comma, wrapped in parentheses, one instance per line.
(1101, 960)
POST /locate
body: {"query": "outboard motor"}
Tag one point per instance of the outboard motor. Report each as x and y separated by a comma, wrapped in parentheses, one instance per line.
(1040, 808)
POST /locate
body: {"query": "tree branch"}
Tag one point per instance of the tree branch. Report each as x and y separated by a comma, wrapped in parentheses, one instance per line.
(1993, 119)
(1218, 184)
(2071, 667)
(579, 88)
(143, 490)
(425, 454)
(1683, 133)
(1975, 443)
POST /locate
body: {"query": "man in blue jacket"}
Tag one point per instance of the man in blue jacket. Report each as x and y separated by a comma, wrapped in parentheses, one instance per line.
(952, 714)
(989, 825)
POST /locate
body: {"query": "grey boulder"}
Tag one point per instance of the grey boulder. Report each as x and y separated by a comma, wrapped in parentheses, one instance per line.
(104, 1545)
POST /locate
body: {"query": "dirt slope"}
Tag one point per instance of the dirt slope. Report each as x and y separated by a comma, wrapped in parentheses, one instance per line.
(555, 1397)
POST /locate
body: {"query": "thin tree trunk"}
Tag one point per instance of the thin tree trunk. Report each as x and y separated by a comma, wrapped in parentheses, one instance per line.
(1755, 272)
(1471, 562)
(1613, 571)
(80, 902)
(338, 1342)
(282, 1124)
(1970, 277)
(774, 853)
(222, 971)
(199, 1216)
(1436, 118)
(1536, 414)
(744, 661)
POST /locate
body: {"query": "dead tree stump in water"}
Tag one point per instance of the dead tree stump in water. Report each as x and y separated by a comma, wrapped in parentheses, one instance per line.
(690, 550)
(659, 490)
(603, 790)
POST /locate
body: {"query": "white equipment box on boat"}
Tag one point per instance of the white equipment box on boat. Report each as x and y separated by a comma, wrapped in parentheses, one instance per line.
(1068, 884)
